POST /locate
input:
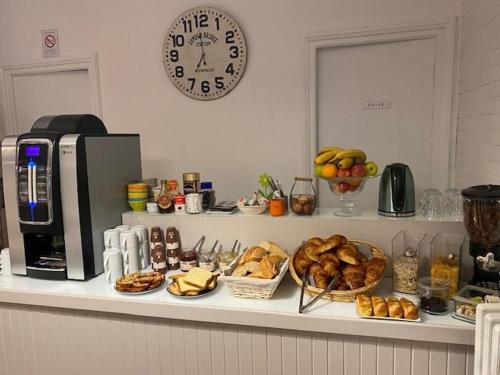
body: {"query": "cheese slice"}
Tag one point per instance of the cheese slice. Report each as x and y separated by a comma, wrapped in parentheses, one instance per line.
(185, 287)
(198, 277)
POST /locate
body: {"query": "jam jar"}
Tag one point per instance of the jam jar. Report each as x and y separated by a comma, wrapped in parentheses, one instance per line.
(188, 259)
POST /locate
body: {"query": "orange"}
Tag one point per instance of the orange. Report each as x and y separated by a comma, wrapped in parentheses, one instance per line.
(329, 170)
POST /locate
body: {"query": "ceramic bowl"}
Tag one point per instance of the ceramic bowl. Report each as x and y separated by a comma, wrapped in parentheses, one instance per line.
(137, 195)
(252, 210)
(137, 205)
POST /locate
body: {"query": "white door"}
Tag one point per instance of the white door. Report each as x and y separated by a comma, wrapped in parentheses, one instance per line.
(399, 72)
(54, 93)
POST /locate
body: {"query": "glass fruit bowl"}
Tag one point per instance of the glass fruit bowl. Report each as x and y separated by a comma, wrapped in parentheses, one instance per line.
(346, 189)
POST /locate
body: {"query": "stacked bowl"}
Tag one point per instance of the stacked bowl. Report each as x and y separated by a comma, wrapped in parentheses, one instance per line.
(138, 196)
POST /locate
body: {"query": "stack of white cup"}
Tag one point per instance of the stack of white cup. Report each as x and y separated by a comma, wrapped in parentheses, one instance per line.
(133, 245)
(5, 262)
(143, 243)
(112, 257)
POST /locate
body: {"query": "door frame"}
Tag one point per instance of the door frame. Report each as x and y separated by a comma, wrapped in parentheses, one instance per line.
(445, 35)
(55, 65)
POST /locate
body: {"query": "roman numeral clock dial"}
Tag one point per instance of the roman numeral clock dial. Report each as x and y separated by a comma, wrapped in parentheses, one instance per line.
(204, 53)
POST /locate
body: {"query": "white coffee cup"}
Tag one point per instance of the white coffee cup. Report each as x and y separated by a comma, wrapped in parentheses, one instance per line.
(5, 262)
(152, 207)
(129, 247)
(142, 236)
(111, 238)
(193, 203)
(113, 264)
(122, 228)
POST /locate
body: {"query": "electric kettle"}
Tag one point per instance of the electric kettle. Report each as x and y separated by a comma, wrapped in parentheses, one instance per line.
(396, 196)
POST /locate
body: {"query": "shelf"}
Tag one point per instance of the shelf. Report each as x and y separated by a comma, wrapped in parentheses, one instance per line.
(222, 307)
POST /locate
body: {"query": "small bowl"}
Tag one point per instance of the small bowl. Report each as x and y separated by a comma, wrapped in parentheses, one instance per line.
(137, 195)
(137, 199)
(252, 210)
(137, 205)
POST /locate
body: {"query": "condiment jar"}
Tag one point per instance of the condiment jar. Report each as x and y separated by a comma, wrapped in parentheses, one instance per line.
(158, 252)
(188, 259)
(277, 207)
(433, 295)
(165, 199)
(445, 259)
(208, 195)
(303, 196)
(207, 260)
(191, 182)
(407, 251)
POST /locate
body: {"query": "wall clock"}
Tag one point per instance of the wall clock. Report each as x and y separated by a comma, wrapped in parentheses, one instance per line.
(204, 53)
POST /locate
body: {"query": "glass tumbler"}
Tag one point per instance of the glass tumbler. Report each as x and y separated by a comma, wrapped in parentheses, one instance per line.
(431, 203)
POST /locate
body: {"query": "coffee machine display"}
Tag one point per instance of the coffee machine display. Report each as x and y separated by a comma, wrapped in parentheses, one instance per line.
(64, 183)
(482, 222)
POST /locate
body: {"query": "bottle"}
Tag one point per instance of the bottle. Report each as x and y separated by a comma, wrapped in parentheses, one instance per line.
(208, 195)
(173, 248)
(191, 182)
(158, 253)
(165, 200)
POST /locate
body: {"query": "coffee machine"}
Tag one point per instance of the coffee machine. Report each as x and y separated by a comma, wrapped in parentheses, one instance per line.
(482, 223)
(65, 182)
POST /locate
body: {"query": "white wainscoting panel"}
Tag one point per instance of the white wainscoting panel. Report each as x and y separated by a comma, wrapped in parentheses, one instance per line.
(42, 341)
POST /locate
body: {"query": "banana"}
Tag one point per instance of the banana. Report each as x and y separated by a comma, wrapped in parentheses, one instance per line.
(325, 149)
(322, 158)
(346, 163)
(352, 153)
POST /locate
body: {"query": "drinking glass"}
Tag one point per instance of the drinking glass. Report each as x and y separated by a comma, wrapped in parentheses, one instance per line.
(431, 203)
(452, 204)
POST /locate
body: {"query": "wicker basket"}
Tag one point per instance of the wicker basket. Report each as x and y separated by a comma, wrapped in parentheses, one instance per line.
(246, 287)
(343, 295)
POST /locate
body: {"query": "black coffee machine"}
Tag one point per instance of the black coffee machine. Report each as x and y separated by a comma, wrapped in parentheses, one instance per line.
(482, 222)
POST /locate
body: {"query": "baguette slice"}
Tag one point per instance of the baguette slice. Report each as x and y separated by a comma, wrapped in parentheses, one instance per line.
(198, 277)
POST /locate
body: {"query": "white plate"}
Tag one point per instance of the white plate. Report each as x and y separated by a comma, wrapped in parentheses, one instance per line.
(419, 320)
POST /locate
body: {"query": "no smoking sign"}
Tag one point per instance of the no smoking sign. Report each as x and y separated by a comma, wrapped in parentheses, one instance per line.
(50, 43)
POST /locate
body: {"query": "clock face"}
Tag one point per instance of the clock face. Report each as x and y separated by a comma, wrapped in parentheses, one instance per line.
(204, 53)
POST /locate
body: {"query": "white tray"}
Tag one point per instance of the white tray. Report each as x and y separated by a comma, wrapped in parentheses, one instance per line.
(419, 320)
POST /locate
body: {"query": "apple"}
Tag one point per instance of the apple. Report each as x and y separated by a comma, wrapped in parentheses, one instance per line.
(342, 187)
(358, 170)
(317, 170)
(371, 168)
(344, 172)
(353, 187)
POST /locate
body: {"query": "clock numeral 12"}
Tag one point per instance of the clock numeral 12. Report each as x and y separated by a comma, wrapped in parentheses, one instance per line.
(201, 21)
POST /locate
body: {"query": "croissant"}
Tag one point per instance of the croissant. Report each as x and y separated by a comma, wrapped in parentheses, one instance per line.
(410, 311)
(379, 306)
(331, 243)
(375, 270)
(315, 241)
(395, 309)
(329, 263)
(364, 305)
(348, 253)
(321, 279)
(301, 263)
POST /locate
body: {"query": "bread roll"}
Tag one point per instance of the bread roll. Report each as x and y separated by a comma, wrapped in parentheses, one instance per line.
(364, 305)
(395, 309)
(379, 306)
(410, 311)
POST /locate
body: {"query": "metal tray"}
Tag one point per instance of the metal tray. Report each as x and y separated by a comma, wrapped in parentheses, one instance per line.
(419, 320)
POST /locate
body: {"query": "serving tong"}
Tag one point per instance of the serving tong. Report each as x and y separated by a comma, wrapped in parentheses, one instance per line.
(304, 279)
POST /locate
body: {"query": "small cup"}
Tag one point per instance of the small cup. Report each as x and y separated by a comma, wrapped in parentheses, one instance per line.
(111, 238)
(152, 207)
(193, 203)
(113, 264)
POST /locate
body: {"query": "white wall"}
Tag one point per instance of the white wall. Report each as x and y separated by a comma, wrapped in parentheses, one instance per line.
(258, 127)
(478, 146)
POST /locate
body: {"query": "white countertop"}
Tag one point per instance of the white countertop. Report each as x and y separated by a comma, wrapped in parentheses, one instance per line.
(221, 307)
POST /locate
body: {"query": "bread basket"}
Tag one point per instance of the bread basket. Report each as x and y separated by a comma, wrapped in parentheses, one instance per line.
(343, 295)
(246, 287)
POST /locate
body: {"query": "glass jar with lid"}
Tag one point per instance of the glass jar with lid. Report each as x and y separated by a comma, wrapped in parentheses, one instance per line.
(445, 259)
(191, 182)
(407, 255)
(433, 295)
